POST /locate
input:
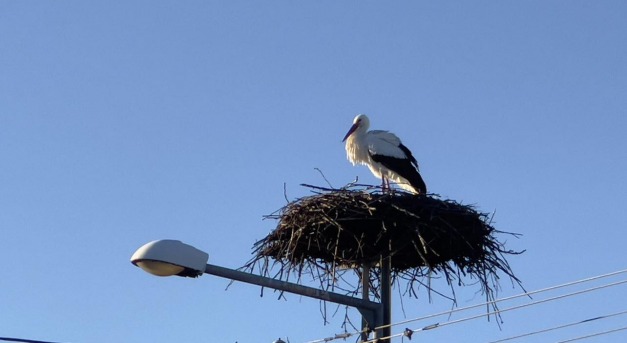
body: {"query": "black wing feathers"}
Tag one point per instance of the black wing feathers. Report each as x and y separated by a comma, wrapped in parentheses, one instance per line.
(405, 168)
(408, 154)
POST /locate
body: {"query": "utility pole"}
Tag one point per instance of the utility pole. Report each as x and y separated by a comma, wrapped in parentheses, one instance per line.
(386, 296)
(365, 295)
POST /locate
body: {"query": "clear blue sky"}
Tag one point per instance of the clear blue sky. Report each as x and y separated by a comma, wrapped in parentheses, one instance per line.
(123, 122)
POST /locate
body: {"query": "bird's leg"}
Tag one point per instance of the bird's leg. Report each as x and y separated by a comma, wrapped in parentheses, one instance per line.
(387, 182)
(385, 185)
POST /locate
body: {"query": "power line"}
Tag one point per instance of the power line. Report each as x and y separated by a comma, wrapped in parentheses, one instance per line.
(594, 334)
(507, 298)
(567, 284)
(9, 339)
(560, 326)
(438, 325)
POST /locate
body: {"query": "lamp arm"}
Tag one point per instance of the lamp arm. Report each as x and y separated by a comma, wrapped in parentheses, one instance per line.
(367, 308)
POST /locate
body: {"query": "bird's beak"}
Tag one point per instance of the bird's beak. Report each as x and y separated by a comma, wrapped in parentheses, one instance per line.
(350, 131)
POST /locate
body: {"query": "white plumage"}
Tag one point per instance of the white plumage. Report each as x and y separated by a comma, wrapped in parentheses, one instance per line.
(384, 154)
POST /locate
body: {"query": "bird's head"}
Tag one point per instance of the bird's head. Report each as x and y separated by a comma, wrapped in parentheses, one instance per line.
(360, 123)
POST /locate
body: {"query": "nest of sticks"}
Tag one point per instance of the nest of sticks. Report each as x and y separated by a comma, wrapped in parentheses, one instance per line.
(339, 230)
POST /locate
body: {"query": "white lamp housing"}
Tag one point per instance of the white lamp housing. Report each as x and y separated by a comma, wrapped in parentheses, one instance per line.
(169, 257)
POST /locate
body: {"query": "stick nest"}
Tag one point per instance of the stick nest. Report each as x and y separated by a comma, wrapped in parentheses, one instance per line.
(340, 229)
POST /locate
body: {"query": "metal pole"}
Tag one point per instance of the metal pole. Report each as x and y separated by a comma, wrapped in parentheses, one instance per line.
(365, 295)
(386, 297)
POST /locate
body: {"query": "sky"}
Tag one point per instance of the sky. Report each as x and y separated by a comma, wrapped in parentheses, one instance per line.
(124, 122)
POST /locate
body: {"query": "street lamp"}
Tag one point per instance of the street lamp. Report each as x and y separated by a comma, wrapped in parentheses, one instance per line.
(171, 257)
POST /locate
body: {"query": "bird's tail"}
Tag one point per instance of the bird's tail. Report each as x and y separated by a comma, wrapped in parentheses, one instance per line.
(417, 183)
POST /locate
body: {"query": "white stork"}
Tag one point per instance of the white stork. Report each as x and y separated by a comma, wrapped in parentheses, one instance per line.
(384, 154)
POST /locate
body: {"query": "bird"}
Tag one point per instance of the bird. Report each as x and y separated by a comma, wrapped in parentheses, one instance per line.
(384, 154)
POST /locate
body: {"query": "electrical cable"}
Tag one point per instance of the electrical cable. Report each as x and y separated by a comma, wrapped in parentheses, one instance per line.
(542, 290)
(9, 339)
(438, 325)
(505, 299)
(560, 327)
(594, 334)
